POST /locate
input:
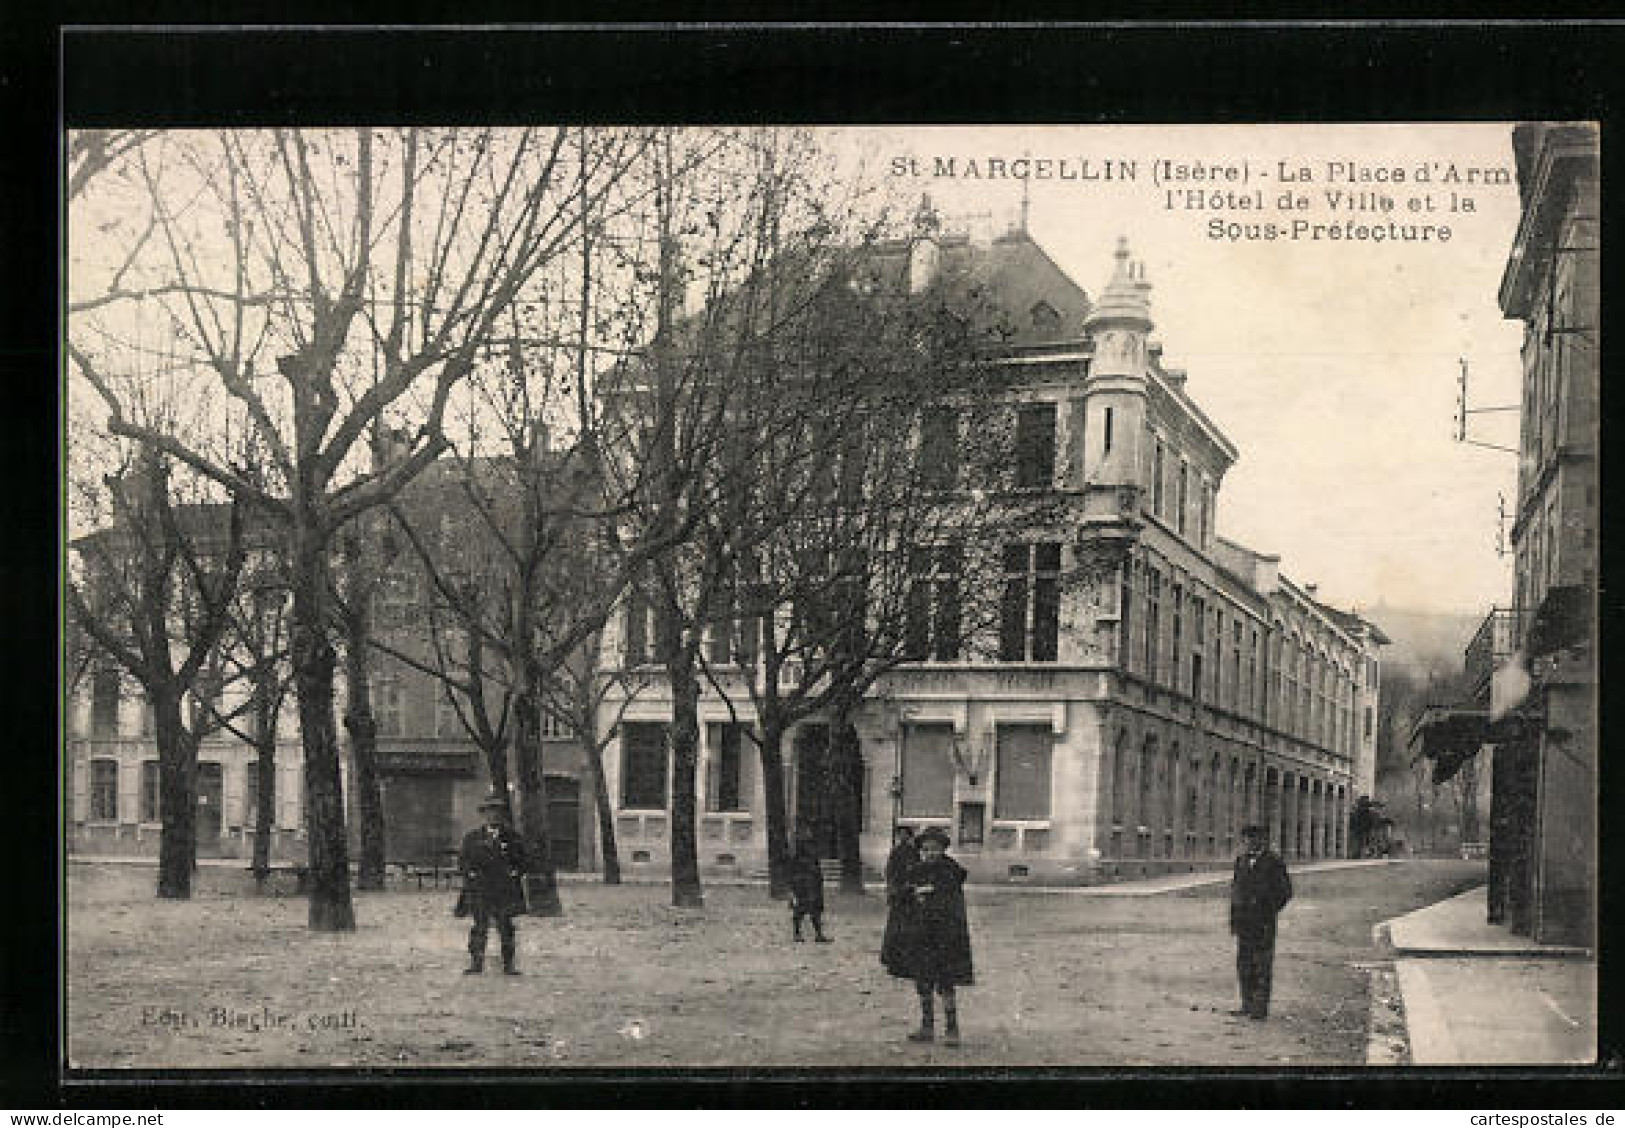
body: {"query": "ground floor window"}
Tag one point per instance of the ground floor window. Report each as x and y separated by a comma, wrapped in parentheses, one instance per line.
(104, 790)
(643, 766)
(928, 771)
(1022, 773)
(724, 790)
(149, 791)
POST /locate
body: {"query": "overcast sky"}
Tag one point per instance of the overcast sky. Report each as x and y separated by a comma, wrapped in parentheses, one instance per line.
(1331, 365)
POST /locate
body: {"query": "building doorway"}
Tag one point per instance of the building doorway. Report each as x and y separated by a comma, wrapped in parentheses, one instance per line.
(816, 807)
(418, 815)
(564, 821)
(210, 801)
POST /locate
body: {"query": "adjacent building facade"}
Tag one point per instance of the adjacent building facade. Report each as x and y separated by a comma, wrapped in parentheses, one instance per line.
(1544, 797)
(432, 776)
(1132, 721)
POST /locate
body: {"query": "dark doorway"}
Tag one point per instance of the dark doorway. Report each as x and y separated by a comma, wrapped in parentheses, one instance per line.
(210, 800)
(418, 816)
(564, 821)
(813, 814)
(815, 808)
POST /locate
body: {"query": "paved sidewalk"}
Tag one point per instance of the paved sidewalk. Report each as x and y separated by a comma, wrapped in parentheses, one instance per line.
(1475, 994)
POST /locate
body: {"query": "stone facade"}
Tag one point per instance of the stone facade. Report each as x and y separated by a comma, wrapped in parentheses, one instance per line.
(1181, 687)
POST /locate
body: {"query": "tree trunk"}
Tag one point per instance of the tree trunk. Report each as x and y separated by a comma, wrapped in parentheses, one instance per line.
(362, 726)
(265, 808)
(314, 661)
(845, 775)
(1468, 782)
(496, 765)
(541, 882)
(778, 830)
(177, 796)
(685, 743)
(606, 813)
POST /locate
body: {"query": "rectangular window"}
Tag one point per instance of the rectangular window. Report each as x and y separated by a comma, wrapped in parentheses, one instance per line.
(1031, 608)
(389, 705)
(939, 448)
(1204, 527)
(643, 766)
(928, 771)
(1035, 446)
(397, 600)
(149, 791)
(638, 630)
(251, 793)
(104, 698)
(1176, 668)
(726, 743)
(104, 790)
(1183, 498)
(1106, 447)
(1125, 609)
(1198, 643)
(932, 626)
(1153, 626)
(447, 725)
(1022, 776)
(553, 725)
(1156, 479)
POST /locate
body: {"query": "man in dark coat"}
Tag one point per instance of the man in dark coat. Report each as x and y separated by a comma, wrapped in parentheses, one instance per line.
(493, 867)
(899, 902)
(1259, 891)
(807, 890)
(935, 948)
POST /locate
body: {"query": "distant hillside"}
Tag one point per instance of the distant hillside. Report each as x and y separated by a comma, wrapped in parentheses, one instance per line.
(1424, 640)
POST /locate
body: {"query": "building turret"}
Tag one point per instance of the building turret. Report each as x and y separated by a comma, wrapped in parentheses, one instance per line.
(1114, 410)
(1114, 394)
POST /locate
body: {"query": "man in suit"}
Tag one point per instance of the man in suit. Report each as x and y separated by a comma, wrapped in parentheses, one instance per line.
(493, 866)
(1259, 891)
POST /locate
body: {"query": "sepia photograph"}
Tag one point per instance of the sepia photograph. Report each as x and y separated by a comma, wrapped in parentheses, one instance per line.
(900, 598)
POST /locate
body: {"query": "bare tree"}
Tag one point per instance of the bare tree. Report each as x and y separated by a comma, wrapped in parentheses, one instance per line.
(152, 579)
(317, 283)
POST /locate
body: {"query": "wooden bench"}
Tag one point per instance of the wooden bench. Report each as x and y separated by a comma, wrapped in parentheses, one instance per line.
(300, 871)
(443, 867)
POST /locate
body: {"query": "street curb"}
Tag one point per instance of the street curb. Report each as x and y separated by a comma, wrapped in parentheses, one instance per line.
(1387, 1031)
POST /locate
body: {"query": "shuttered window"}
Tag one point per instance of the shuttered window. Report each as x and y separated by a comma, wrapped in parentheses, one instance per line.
(1022, 776)
(928, 771)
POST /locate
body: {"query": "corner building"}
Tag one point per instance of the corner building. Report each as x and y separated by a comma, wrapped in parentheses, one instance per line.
(1134, 719)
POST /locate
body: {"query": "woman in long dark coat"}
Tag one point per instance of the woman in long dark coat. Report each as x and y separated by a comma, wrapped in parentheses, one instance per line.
(935, 948)
(899, 903)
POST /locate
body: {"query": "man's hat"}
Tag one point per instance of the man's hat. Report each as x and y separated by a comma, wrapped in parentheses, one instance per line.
(1254, 829)
(932, 834)
(493, 802)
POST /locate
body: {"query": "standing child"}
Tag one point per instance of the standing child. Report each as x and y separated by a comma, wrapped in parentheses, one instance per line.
(807, 890)
(937, 954)
(900, 905)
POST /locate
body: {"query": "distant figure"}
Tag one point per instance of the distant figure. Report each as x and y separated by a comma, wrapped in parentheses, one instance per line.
(807, 890)
(1259, 891)
(900, 903)
(933, 945)
(493, 868)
